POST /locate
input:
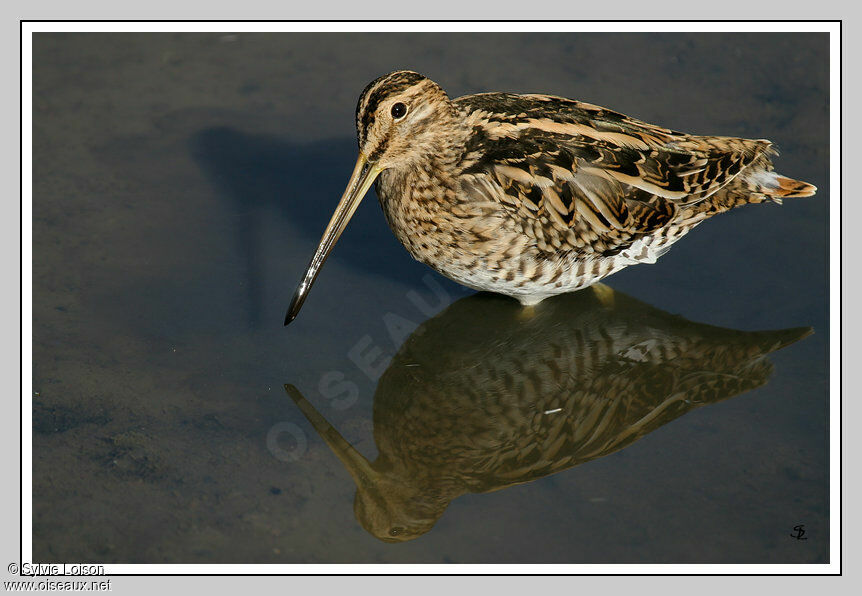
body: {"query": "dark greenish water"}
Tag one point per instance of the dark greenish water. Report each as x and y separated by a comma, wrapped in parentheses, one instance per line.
(181, 183)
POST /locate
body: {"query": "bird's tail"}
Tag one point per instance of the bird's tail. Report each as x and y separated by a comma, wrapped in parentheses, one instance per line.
(761, 182)
(789, 188)
(767, 184)
(757, 183)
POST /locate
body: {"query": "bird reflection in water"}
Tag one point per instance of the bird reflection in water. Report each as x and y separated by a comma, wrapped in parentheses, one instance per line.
(487, 395)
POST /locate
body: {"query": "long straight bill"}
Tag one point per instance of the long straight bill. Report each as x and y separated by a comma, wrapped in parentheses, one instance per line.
(360, 181)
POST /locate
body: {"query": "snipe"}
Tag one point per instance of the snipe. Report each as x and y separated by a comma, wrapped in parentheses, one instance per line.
(535, 195)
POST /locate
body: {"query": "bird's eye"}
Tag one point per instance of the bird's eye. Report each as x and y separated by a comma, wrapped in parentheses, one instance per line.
(395, 531)
(398, 110)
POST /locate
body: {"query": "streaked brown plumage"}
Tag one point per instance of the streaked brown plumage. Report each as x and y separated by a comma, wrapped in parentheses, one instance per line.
(535, 195)
(587, 375)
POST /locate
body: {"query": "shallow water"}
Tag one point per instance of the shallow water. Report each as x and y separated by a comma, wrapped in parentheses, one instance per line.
(181, 183)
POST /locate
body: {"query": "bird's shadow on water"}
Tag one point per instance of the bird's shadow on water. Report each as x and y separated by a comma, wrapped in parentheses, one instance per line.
(260, 175)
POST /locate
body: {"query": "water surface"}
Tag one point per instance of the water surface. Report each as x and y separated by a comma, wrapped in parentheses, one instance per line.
(181, 183)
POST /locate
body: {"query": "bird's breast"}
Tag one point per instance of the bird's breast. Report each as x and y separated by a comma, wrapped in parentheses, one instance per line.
(418, 208)
(468, 240)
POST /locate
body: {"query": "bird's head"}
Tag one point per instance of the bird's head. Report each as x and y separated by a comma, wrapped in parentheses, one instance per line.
(401, 119)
